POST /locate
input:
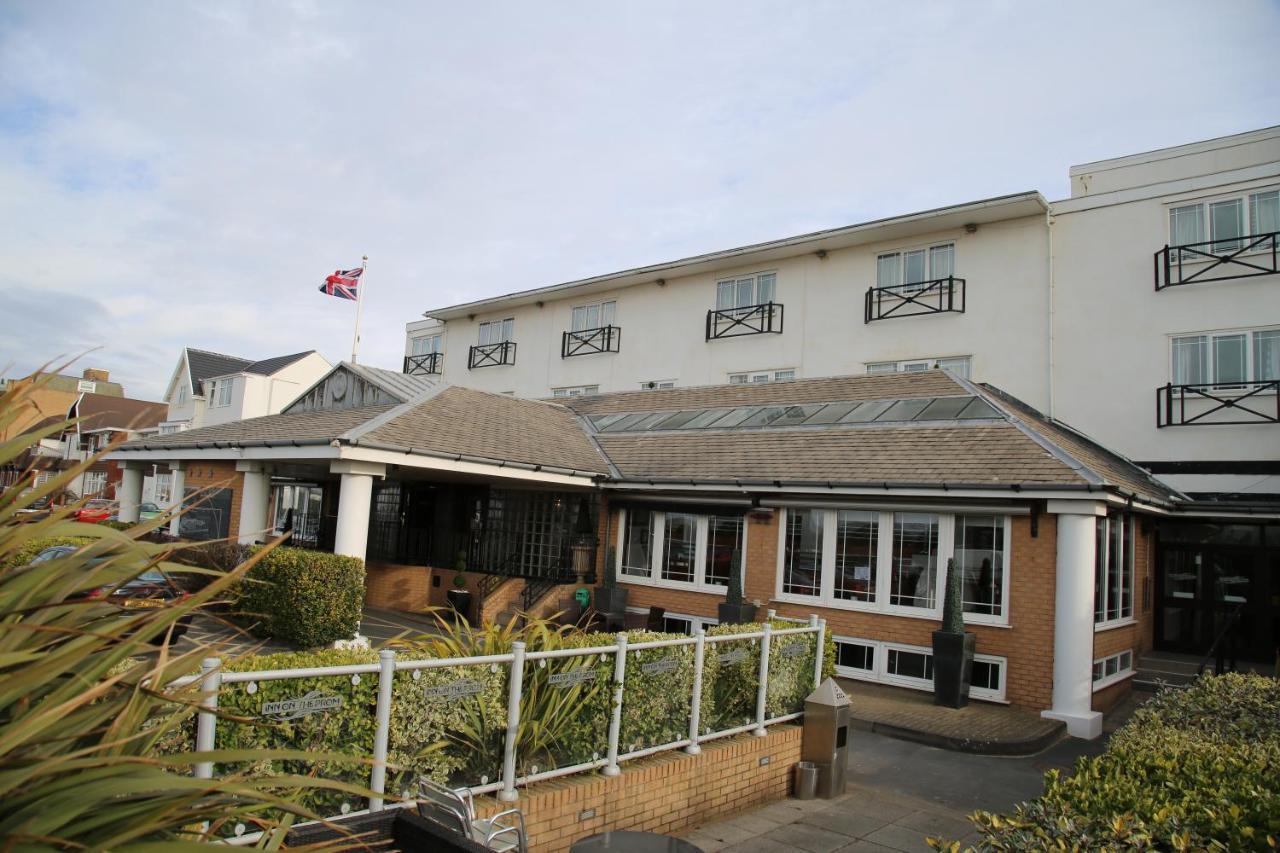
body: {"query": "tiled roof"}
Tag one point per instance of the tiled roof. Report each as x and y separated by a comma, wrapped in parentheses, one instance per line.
(101, 411)
(205, 365)
(268, 366)
(401, 385)
(301, 426)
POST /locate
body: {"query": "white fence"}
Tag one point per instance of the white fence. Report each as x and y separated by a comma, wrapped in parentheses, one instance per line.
(213, 678)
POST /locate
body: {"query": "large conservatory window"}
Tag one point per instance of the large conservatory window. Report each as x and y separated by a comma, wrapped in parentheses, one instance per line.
(679, 549)
(1113, 570)
(915, 560)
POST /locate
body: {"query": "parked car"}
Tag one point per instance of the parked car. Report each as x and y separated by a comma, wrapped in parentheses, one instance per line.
(146, 512)
(39, 508)
(152, 588)
(96, 510)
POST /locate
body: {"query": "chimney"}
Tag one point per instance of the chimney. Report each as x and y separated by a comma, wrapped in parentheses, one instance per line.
(94, 374)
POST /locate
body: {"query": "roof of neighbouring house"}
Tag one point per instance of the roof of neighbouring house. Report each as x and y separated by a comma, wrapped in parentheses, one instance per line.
(204, 365)
(268, 366)
(103, 411)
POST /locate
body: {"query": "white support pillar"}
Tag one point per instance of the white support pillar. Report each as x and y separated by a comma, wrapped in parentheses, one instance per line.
(254, 496)
(355, 500)
(129, 493)
(177, 490)
(1073, 618)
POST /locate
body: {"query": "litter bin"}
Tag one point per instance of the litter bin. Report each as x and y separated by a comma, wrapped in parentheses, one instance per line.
(826, 736)
(805, 780)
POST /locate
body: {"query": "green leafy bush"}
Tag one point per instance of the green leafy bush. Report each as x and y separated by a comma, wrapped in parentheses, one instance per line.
(1193, 770)
(29, 549)
(117, 525)
(309, 598)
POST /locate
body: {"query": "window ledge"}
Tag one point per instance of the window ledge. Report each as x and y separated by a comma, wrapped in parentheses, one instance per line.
(875, 611)
(1100, 627)
(1112, 680)
(718, 591)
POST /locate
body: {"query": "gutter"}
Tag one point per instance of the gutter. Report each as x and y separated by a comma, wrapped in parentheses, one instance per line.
(595, 476)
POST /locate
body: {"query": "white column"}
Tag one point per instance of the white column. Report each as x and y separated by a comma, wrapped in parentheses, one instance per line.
(253, 502)
(1073, 618)
(177, 487)
(355, 500)
(129, 493)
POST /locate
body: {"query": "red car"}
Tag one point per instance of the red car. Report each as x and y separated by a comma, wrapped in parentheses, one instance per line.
(96, 510)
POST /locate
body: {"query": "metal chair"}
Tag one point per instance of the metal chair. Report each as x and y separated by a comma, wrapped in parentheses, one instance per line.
(456, 810)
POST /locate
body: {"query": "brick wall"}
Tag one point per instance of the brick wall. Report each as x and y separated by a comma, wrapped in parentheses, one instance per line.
(665, 793)
(204, 474)
(397, 587)
(505, 597)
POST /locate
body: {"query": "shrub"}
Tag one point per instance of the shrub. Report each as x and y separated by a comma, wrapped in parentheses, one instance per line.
(1193, 770)
(117, 525)
(28, 550)
(309, 598)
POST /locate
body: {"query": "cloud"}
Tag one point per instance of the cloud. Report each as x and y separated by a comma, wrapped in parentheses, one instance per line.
(185, 174)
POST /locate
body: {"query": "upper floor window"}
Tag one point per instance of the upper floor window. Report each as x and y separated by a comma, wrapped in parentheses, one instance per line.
(86, 386)
(959, 365)
(1226, 358)
(657, 384)
(913, 267)
(1113, 570)
(679, 549)
(220, 392)
(182, 393)
(576, 391)
(762, 376)
(1225, 222)
(497, 331)
(593, 316)
(427, 344)
(745, 291)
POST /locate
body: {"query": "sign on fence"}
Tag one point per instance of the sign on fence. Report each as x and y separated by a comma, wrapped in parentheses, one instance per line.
(455, 689)
(795, 650)
(664, 665)
(300, 706)
(572, 677)
(737, 655)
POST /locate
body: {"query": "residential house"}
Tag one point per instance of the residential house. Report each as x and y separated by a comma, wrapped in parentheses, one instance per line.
(53, 394)
(211, 388)
(101, 421)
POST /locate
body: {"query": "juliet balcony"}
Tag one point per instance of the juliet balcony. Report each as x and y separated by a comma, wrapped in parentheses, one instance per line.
(1217, 260)
(1218, 404)
(427, 364)
(491, 355)
(760, 319)
(939, 296)
(590, 341)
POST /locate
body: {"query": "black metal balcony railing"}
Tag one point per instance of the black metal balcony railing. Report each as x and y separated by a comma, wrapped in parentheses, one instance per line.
(589, 341)
(1217, 260)
(1218, 404)
(427, 364)
(747, 320)
(938, 296)
(492, 355)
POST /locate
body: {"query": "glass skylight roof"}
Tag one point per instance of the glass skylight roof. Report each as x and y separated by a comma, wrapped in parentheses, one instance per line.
(810, 414)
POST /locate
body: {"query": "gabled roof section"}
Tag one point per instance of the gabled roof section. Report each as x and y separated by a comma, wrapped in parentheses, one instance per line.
(268, 366)
(399, 384)
(203, 365)
(348, 385)
(286, 429)
(102, 411)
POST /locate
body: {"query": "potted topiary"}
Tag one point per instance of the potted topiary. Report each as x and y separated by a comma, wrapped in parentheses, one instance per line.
(952, 648)
(734, 610)
(459, 596)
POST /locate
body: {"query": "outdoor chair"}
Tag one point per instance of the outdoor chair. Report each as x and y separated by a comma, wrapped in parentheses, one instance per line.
(457, 811)
(656, 620)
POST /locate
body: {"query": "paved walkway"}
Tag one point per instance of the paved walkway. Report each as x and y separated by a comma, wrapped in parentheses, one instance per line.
(225, 638)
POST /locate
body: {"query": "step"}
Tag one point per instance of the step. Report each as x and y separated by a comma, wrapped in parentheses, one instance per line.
(1169, 663)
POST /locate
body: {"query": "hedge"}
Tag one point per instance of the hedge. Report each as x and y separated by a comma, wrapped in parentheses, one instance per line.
(1197, 769)
(30, 550)
(308, 598)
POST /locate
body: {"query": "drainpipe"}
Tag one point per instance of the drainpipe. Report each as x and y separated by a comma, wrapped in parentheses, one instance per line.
(1048, 218)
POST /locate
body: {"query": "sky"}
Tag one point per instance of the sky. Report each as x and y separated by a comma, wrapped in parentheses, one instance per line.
(185, 174)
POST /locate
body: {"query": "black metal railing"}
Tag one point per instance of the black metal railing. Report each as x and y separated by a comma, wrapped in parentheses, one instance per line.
(492, 355)
(938, 296)
(1223, 650)
(1244, 403)
(427, 364)
(747, 320)
(487, 584)
(589, 341)
(1217, 260)
(536, 588)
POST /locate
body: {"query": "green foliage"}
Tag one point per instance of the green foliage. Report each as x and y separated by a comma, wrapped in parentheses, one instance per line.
(117, 525)
(1192, 770)
(952, 612)
(27, 552)
(308, 598)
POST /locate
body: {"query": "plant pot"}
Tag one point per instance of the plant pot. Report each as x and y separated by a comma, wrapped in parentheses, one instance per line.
(736, 614)
(612, 599)
(952, 668)
(460, 601)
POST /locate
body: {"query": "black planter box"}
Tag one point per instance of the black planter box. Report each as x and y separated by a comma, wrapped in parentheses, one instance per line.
(736, 614)
(952, 668)
(460, 601)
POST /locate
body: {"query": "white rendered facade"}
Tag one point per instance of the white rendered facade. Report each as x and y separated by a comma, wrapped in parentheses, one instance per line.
(238, 395)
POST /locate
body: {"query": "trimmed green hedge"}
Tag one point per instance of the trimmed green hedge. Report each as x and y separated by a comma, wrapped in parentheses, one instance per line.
(29, 551)
(1192, 770)
(308, 598)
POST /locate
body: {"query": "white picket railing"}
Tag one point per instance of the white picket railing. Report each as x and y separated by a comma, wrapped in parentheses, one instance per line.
(212, 678)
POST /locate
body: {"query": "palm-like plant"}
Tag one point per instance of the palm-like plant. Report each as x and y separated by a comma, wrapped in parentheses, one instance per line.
(82, 710)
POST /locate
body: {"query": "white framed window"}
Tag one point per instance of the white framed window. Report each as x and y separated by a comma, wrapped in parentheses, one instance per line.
(894, 562)
(679, 550)
(1113, 571)
(957, 364)
(427, 344)
(86, 386)
(657, 384)
(182, 393)
(497, 331)
(911, 268)
(762, 376)
(593, 316)
(220, 392)
(1226, 222)
(163, 493)
(576, 391)
(1225, 359)
(1111, 669)
(95, 482)
(680, 623)
(912, 666)
(746, 291)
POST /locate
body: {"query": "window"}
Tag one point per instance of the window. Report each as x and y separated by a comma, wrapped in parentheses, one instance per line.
(1113, 570)
(592, 316)
(912, 666)
(220, 392)
(1224, 222)
(497, 331)
(95, 482)
(182, 393)
(855, 659)
(913, 268)
(679, 549)
(762, 376)
(1226, 359)
(1113, 668)
(86, 386)
(894, 562)
(679, 623)
(744, 292)
(958, 365)
(427, 344)
(909, 665)
(163, 491)
(576, 391)
(657, 384)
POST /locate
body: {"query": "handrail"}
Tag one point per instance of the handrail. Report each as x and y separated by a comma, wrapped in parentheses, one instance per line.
(590, 341)
(1171, 403)
(746, 320)
(1170, 261)
(491, 355)
(1217, 650)
(937, 296)
(426, 364)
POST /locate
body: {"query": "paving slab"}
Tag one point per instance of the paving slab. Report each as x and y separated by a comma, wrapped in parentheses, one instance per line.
(814, 839)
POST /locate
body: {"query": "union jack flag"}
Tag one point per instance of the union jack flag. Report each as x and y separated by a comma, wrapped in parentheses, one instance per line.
(342, 283)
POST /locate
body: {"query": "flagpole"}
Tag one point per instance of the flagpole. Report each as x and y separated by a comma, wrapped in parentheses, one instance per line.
(355, 341)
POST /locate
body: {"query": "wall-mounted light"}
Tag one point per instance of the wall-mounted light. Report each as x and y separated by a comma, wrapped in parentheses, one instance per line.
(662, 282)
(971, 228)
(539, 303)
(822, 254)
